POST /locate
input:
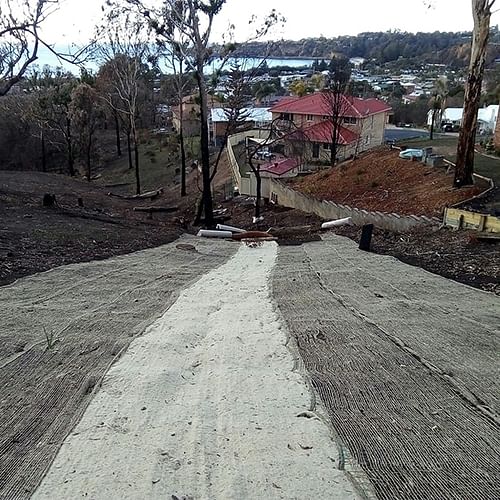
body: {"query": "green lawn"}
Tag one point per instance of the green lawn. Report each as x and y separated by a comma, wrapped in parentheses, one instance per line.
(447, 146)
(158, 159)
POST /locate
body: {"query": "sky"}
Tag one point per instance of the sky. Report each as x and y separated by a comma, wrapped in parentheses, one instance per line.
(75, 19)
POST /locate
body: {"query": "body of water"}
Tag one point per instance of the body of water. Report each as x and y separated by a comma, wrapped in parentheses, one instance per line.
(48, 58)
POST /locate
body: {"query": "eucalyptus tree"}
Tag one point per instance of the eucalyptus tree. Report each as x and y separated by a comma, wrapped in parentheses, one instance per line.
(187, 26)
(20, 39)
(481, 11)
(125, 52)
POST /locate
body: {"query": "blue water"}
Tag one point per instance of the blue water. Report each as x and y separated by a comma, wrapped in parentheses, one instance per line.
(47, 58)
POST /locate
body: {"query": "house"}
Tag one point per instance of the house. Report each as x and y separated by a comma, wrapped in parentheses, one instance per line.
(362, 126)
(486, 118)
(253, 118)
(282, 168)
(496, 138)
(190, 114)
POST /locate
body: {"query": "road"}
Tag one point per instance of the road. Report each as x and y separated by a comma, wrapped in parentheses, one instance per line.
(399, 134)
(312, 371)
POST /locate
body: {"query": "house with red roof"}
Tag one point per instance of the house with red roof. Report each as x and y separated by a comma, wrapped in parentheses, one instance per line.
(361, 127)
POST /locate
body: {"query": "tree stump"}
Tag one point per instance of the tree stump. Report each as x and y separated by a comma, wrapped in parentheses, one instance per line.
(366, 237)
(49, 200)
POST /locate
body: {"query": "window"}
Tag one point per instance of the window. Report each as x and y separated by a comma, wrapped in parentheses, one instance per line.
(309, 118)
(350, 120)
(326, 145)
(287, 117)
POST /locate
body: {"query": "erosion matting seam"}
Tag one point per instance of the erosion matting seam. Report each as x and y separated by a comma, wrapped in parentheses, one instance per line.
(414, 436)
(94, 311)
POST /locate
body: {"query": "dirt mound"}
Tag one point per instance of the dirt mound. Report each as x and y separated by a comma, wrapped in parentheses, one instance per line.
(381, 181)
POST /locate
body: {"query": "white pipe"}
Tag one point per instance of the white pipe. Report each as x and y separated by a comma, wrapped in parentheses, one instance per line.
(207, 233)
(340, 222)
(222, 227)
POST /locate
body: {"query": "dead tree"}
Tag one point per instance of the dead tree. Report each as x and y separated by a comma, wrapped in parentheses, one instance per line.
(481, 11)
(335, 101)
(20, 39)
(293, 141)
(125, 51)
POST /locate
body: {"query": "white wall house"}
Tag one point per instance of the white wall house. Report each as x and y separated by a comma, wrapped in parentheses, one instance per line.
(487, 117)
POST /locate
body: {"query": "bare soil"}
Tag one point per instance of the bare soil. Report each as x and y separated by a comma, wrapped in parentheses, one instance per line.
(380, 181)
(34, 238)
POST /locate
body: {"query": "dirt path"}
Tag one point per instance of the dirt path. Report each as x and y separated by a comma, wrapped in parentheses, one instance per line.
(205, 405)
(407, 364)
(92, 312)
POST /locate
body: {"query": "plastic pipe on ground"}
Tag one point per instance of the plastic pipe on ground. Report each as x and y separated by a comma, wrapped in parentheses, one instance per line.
(334, 223)
(223, 227)
(207, 233)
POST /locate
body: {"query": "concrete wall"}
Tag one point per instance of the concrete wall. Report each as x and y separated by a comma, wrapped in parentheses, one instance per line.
(243, 183)
(328, 210)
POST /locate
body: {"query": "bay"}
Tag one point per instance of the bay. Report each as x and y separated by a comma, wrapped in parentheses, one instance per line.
(48, 58)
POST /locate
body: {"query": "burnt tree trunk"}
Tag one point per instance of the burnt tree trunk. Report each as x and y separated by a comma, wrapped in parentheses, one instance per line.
(136, 158)
(44, 152)
(129, 150)
(89, 159)
(183, 156)
(69, 144)
(481, 10)
(117, 132)
(181, 132)
(205, 151)
(258, 191)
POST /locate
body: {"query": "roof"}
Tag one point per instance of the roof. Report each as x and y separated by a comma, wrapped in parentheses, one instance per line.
(315, 104)
(323, 132)
(280, 167)
(219, 115)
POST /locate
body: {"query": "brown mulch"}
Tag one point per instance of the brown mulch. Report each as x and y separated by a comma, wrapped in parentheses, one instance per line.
(34, 239)
(380, 181)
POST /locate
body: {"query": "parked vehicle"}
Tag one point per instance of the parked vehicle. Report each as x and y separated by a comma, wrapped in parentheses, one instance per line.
(265, 154)
(408, 154)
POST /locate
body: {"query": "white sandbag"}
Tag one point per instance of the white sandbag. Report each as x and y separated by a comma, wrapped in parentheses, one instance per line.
(207, 233)
(334, 223)
(222, 227)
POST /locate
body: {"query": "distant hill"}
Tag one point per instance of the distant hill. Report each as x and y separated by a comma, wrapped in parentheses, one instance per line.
(383, 47)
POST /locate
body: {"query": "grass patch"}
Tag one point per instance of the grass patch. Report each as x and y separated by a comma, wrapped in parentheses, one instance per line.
(159, 157)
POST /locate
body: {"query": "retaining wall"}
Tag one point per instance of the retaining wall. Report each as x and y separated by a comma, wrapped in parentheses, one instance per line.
(464, 219)
(283, 195)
